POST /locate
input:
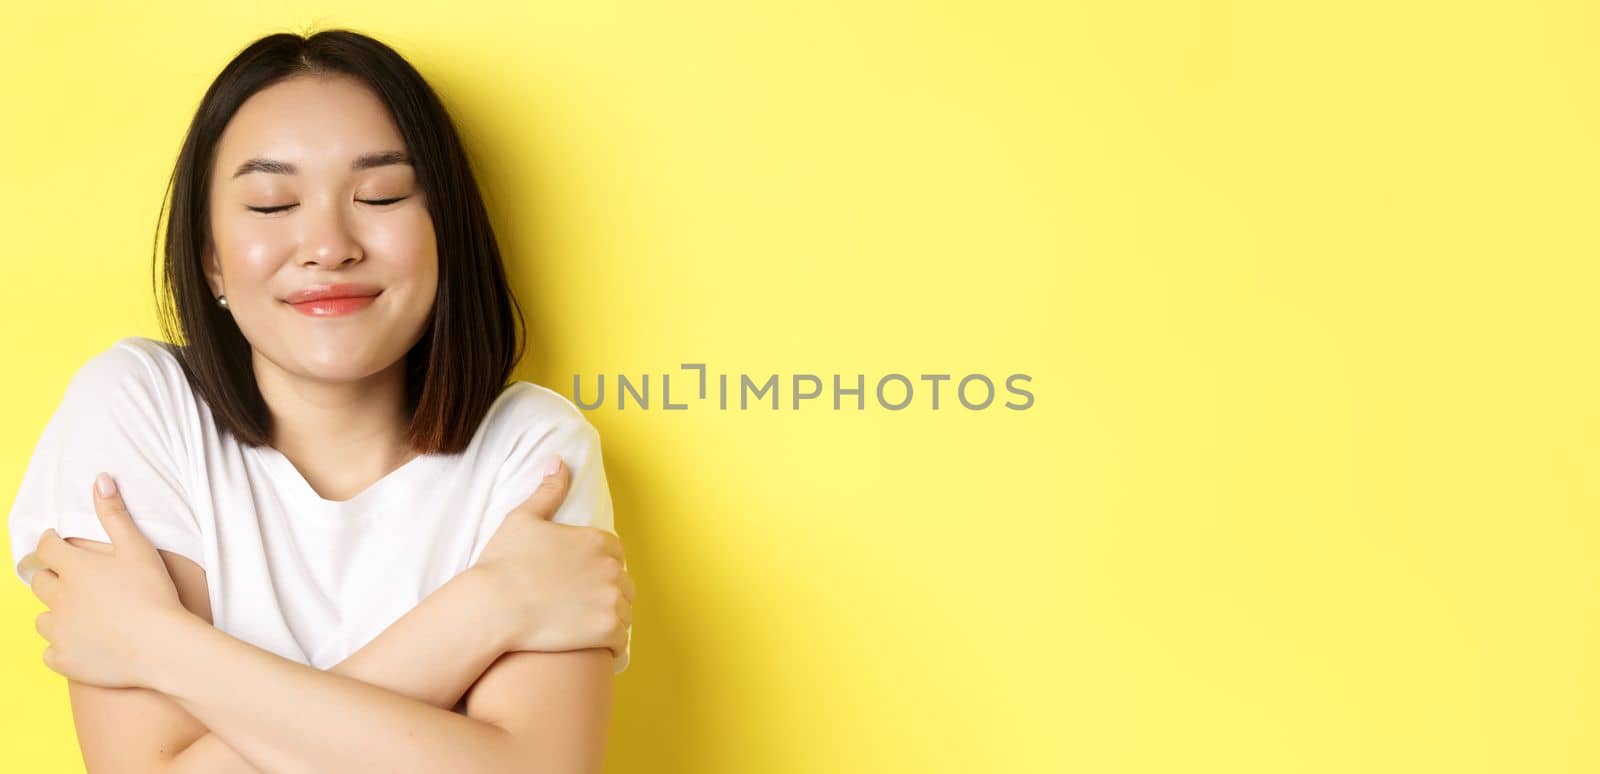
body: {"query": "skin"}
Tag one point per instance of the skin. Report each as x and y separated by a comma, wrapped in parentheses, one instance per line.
(528, 633)
(335, 385)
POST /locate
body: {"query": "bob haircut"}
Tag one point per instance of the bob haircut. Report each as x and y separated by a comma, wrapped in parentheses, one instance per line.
(465, 356)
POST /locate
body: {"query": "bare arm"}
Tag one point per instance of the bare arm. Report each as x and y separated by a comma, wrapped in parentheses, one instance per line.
(530, 712)
(556, 707)
(284, 716)
(539, 709)
(432, 654)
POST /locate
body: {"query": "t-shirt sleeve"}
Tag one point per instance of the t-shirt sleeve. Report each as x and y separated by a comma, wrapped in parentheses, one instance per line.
(114, 417)
(556, 428)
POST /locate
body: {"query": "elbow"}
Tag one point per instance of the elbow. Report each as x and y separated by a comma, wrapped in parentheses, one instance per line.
(156, 765)
(153, 767)
(529, 764)
(521, 755)
(164, 765)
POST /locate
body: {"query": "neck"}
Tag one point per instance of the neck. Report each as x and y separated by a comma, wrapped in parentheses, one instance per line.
(347, 428)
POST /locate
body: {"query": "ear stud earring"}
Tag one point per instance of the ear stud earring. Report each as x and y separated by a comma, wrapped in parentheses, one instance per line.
(222, 301)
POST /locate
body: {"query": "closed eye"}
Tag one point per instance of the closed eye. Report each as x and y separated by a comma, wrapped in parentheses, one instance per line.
(282, 207)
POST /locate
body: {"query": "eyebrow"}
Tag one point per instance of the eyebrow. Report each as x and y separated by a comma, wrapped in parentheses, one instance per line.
(364, 161)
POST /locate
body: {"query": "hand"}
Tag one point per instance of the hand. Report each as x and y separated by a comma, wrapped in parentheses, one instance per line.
(111, 606)
(562, 586)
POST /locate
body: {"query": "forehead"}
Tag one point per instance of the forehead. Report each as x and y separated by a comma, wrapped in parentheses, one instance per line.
(317, 123)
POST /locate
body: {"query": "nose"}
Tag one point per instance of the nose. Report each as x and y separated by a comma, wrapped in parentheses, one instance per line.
(329, 241)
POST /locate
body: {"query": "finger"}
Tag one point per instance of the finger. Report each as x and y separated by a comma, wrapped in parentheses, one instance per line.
(545, 500)
(91, 545)
(608, 544)
(29, 564)
(53, 552)
(44, 584)
(624, 613)
(618, 641)
(614, 547)
(625, 581)
(114, 515)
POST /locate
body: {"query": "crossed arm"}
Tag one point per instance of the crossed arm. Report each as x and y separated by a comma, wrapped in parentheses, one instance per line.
(387, 707)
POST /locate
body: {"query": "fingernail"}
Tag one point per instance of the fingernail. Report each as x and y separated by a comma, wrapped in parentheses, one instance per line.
(104, 486)
(553, 466)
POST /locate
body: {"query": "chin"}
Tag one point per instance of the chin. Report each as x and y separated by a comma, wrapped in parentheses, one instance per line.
(339, 364)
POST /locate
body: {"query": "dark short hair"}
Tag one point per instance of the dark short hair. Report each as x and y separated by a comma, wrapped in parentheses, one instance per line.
(465, 356)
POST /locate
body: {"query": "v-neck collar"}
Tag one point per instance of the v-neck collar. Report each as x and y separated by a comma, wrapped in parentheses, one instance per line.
(307, 497)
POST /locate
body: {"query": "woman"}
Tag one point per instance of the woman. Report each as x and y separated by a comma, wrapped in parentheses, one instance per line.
(332, 521)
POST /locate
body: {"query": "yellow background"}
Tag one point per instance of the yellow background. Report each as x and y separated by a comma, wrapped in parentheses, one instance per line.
(1307, 295)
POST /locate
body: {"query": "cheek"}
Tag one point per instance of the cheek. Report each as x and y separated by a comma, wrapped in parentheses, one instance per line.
(408, 245)
(251, 245)
(407, 236)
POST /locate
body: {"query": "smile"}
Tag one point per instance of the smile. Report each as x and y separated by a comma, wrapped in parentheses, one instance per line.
(333, 307)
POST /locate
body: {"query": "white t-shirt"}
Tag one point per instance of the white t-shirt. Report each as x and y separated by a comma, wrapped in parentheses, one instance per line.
(309, 579)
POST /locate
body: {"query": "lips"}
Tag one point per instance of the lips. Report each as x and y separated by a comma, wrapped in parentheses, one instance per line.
(326, 292)
(333, 307)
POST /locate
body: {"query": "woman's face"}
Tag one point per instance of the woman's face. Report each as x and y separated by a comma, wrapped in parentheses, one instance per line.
(311, 151)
